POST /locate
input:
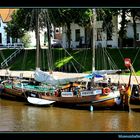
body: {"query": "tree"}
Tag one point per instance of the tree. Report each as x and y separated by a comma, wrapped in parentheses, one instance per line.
(135, 13)
(66, 16)
(17, 27)
(13, 28)
(26, 39)
(122, 32)
(106, 15)
(28, 19)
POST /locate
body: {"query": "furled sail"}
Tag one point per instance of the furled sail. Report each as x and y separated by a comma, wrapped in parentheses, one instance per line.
(47, 78)
(102, 72)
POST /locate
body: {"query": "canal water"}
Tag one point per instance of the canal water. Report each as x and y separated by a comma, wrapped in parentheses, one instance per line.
(20, 117)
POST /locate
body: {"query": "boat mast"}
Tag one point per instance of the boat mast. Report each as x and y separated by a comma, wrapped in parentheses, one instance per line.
(94, 40)
(49, 44)
(37, 39)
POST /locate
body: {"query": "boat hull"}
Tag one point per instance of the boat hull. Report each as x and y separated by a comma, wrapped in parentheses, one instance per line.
(102, 101)
(135, 95)
(135, 100)
(13, 94)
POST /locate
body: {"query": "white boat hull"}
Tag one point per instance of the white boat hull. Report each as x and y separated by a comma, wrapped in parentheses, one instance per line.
(38, 101)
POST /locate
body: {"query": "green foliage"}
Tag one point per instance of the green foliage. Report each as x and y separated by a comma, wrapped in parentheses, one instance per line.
(5, 53)
(24, 19)
(63, 16)
(17, 27)
(26, 40)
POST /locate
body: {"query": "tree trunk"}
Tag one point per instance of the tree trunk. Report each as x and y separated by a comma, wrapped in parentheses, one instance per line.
(122, 30)
(49, 55)
(68, 35)
(88, 36)
(134, 29)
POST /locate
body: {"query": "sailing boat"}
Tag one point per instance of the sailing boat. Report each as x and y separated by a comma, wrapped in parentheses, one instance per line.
(75, 95)
(15, 88)
(69, 93)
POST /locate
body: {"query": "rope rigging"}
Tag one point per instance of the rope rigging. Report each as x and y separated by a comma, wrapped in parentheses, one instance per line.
(107, 27)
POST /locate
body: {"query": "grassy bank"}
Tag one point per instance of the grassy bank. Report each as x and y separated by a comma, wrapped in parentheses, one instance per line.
(72, 60)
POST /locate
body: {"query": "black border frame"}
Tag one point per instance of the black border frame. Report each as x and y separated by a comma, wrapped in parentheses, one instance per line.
(70, 3)
(70, 135)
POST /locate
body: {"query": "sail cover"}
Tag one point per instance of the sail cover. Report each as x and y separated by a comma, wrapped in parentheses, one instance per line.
(101, 73)
(90, 76)
(47, 78)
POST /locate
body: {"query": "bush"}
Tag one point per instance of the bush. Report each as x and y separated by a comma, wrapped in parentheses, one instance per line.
(26, 40)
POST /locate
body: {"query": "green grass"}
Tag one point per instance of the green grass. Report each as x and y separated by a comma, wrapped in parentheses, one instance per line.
(80, 60)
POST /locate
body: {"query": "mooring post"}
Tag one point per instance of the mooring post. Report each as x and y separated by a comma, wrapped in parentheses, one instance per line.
(91, 108)
(126, 102)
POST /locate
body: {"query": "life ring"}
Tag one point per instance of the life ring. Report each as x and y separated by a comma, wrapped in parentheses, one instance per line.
(106, 90)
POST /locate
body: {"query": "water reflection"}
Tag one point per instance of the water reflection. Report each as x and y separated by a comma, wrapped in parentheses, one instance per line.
(18, 116)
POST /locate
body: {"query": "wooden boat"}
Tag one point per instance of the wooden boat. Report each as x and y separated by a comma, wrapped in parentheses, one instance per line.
(80, 97)
(12, 93)
(17, 91)
(73, 94)
(135, 95)
(1, 89)
(68, 96)
(91, 95)
(104, 101)
(99, 95)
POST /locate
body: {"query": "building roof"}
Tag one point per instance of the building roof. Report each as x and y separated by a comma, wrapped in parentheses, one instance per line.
(5, 14)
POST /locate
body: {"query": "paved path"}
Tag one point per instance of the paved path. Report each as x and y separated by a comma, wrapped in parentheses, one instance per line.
(30, 74)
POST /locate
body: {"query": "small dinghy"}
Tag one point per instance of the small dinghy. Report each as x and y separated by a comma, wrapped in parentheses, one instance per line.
(38, 101)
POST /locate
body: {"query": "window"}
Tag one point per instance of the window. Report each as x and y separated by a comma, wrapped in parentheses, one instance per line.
(14, 40)
(77, 35)
(8, 39)
(109, 35)
(99, 34)
(45, 38)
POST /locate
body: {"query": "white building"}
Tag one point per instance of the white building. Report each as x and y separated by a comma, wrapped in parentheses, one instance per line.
(5, 40)
(103, 39)
(55, 34)
(78, 32)
(130, 32)
(3, 35)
